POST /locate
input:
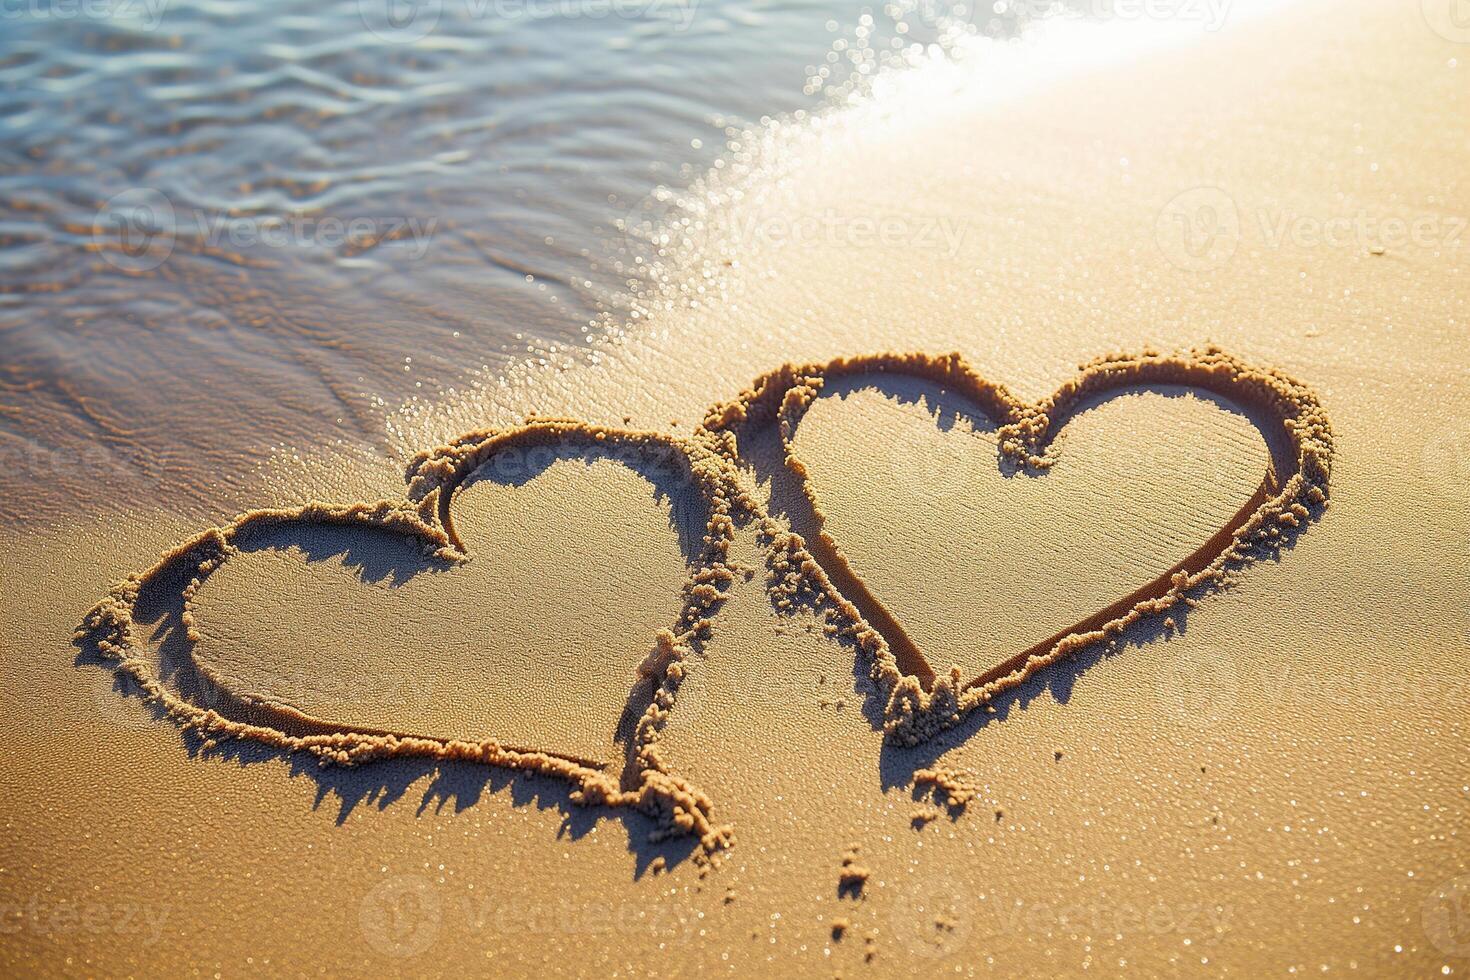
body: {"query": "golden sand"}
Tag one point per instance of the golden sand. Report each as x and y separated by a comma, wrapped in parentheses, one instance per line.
(1271, 784)
(917, 702)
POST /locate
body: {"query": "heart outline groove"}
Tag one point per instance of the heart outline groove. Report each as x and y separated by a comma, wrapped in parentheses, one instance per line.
(917, 701)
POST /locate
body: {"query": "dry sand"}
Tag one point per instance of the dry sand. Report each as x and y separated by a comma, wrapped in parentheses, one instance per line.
(1277, 783)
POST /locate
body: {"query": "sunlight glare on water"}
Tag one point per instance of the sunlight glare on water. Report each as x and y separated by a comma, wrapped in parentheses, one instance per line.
(262, 225)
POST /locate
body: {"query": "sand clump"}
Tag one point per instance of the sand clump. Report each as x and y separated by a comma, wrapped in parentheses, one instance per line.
(853, 877)
(917, 700)
(956, 788)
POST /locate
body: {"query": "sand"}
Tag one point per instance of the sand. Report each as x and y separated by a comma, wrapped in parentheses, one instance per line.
(1274, 781)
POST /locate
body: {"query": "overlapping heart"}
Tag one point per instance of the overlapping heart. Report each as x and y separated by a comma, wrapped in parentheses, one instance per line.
(917, 700)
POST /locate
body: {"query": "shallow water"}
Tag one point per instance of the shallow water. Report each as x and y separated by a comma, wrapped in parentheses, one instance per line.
(229, 230)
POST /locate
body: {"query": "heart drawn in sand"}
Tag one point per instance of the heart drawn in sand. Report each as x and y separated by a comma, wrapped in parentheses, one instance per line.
(917, 700)
(213, 705)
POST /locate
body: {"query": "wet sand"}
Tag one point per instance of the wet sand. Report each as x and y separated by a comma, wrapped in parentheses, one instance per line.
(1272, 781)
